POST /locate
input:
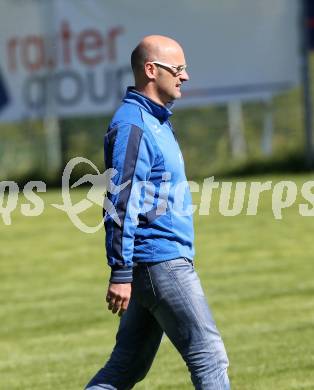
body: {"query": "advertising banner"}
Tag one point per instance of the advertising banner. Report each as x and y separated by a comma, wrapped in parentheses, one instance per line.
(72, 57)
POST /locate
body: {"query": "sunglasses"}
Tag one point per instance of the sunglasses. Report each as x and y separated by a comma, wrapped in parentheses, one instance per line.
(174, 68)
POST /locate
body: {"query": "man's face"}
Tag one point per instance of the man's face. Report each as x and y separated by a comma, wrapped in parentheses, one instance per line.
(169, 81)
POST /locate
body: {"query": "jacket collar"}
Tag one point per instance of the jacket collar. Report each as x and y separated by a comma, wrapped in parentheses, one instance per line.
(157, 110)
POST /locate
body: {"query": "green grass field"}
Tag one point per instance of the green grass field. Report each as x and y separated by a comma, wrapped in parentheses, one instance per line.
(257, 272)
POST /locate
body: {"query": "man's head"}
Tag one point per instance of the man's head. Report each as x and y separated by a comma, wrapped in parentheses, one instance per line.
(158, 65)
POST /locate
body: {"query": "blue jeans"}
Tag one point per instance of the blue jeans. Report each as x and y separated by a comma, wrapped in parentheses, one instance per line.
(166, 297)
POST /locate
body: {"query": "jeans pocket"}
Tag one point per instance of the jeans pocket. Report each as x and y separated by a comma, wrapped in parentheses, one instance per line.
(182, 270)
(180, 262)
(151, 281)
(191, 262)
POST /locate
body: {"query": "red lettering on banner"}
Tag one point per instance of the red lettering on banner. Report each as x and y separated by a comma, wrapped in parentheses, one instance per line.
(65, 42)
(89, 47)
(113, 33)
(33, 52)
(12, 53)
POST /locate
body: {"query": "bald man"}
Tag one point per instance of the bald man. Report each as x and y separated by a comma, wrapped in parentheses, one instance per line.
(153, 284)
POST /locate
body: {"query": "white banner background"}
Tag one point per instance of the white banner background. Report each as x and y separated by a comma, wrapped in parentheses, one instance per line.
(240, 49)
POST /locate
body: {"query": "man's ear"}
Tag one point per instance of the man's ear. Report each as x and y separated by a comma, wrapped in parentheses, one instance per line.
(150, 71)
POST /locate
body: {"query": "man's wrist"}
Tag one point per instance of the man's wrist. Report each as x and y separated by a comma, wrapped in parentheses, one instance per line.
(121, 274)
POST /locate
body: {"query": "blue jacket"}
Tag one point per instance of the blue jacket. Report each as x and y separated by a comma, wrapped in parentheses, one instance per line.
(141, 147)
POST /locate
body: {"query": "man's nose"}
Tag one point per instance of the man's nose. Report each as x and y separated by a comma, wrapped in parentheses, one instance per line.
(184, 76)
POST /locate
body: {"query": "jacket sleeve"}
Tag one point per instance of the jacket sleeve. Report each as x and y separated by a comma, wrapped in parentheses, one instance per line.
(130, 152)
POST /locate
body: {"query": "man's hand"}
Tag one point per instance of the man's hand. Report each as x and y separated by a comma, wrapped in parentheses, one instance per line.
(118, 297)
